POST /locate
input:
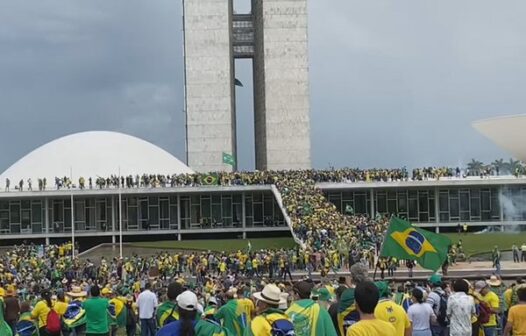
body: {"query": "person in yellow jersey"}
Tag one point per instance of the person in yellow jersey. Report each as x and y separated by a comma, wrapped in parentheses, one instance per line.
(366, 296)
(387, 310)
(492, 300)
(41, 310)
(517, 316)
(269, 316)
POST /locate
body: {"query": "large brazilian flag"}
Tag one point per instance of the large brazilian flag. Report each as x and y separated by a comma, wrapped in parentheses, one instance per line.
(404, 241)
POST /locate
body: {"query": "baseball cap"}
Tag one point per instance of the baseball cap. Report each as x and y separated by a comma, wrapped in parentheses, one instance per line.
(435, 279)
(480, 285)
(187, 300)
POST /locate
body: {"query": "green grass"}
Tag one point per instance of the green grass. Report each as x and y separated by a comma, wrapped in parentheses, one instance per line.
(484, 242)
(227, 245)
(472, 243)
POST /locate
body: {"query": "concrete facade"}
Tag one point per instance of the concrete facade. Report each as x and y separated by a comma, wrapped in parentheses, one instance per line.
(209, 74)
(281, 84)
(275, 36)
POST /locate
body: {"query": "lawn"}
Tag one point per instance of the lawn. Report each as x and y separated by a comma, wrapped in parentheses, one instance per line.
(484, 242)
(226, 245)
(472, 243)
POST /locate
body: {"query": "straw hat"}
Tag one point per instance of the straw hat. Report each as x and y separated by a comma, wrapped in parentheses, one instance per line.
(76, 291)
(494, 281)
(270, 294)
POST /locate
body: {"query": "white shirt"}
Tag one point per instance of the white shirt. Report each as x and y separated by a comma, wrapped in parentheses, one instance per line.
(147, 301)
(460, 308)
(420, 315)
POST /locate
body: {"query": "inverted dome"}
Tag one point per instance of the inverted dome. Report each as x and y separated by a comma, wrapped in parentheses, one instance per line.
(508, 132)
(92, 154)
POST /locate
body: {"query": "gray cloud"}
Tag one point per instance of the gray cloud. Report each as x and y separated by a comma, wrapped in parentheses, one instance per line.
(392, 83)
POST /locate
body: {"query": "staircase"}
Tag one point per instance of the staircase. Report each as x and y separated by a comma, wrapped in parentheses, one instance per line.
(279, 200)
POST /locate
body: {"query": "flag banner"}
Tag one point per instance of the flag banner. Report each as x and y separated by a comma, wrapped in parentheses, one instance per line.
(404, 241)
(210, 179)
(229, 159)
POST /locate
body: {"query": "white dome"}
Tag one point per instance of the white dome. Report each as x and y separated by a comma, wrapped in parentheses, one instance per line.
(92, 154)
(507, 132)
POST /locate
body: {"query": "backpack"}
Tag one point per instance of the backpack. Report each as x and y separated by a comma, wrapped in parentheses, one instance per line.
(484, 312)
(282, 327)
(53, 324)
(442, 315)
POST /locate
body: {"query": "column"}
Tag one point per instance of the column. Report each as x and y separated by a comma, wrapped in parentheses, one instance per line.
(179, 217)
(46, 219)
(243, 215)
(501, 208)
(437, 208)
(113, 211)
(371, 202)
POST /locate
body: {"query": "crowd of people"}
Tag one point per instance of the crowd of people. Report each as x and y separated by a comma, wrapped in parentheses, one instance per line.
(143, 296)
(343, 175)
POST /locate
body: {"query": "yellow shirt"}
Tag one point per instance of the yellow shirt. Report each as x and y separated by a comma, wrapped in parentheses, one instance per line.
(517, 318)
(389, 311)
(261, 325)
(60, 307)
(40, 313)
(493, 301)
(371, 328)
(507, 297)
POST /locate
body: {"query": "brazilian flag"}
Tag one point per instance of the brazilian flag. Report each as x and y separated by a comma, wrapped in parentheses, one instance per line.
(209, 179)
(404, 241)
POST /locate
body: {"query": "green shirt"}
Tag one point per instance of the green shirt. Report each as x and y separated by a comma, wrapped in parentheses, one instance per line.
(97, 319)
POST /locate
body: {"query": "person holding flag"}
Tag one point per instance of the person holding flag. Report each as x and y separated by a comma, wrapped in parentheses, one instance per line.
(236, 314)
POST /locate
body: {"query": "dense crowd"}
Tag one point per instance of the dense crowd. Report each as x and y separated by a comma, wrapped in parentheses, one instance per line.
(44, 291)
(343, 175)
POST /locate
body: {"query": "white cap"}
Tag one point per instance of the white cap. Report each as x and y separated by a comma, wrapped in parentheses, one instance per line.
(212, 300)
(187, 300)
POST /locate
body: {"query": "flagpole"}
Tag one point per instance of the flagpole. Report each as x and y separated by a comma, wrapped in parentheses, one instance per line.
(120, 214)
(72, 216)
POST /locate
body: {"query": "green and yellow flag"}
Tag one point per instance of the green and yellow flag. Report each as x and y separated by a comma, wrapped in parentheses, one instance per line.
(229, 159)
(404, 241)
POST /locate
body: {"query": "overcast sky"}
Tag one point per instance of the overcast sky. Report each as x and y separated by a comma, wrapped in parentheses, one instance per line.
(392, 83)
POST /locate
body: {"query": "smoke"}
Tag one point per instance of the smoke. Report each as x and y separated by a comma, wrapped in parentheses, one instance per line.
(513, 208)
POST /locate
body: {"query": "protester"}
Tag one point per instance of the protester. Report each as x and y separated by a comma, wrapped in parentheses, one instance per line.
(308, 317)
(167, 312)
(387, 310)
(516, 324)
(236, 314)
(437, 299)
(147, 302)
(268, 315)
(492, 300)
(421, 314)
(97, 318)
(188, 323)
(41, 313)
(366, 296)
(460, 309)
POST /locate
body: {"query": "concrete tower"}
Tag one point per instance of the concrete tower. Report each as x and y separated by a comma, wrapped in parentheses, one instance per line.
(274, 35)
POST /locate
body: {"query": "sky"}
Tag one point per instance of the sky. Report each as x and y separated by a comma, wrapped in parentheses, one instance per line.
(393, 83)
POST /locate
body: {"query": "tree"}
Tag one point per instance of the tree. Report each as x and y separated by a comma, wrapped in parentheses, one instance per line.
(500, 166)
(513, 165)
(475, 167)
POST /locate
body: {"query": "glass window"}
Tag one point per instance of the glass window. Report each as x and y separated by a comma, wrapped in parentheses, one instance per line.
(216, 213)
(80, 211)
(413, 209)
(485, 204)
(206, 208)
(36, 212)
(132, 218)
(153, 215)
(381, 202)
(454, 208)
(443, 199)
(360, 206)
(227, 207)
(173, 214)
(464, 200)
(258, 213)
(422, 201)
(475, 207)
(164, 209)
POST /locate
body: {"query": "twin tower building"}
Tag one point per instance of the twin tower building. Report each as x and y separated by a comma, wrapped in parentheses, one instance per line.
(274, 36)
